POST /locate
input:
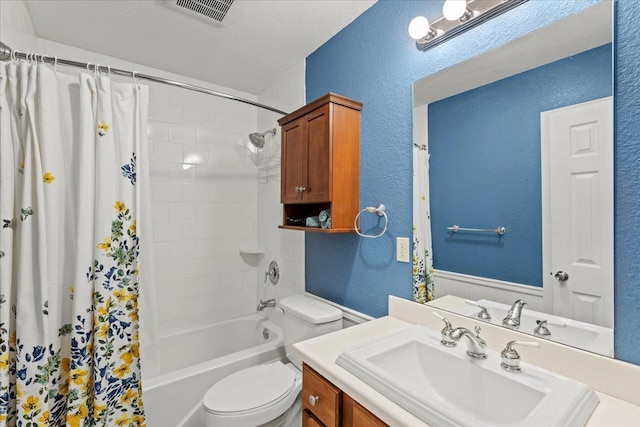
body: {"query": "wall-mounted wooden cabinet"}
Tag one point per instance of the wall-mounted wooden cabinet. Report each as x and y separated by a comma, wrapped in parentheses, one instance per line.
(325, 405)
(321, 163)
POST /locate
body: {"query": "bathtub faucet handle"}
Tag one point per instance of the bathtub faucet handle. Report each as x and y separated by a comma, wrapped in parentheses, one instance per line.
(273, 273)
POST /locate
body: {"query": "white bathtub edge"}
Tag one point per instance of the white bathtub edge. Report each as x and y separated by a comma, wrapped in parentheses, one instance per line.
(197, 369)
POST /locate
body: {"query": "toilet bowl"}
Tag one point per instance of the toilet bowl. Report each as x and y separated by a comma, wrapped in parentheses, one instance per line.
(257, 396)
(268, 395)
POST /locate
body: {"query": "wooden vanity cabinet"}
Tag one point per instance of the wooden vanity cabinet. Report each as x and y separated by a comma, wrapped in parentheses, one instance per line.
(325, 405)
(321, 162)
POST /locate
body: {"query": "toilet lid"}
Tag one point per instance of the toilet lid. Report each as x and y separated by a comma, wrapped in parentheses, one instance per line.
(250, 388)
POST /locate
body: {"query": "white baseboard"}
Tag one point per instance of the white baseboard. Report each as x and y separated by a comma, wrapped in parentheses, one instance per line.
(475, 288)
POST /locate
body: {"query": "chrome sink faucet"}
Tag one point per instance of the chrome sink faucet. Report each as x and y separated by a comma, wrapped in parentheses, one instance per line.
(264, 304)
(476, 346)
(512, 320)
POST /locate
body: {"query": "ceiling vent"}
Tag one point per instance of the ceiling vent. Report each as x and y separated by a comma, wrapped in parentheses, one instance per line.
(212, 10)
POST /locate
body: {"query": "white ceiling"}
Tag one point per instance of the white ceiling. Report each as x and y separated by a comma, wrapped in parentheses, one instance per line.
(257, 40)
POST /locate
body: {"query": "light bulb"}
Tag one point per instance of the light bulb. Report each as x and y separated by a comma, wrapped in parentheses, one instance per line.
(454, 9)
(419, 27)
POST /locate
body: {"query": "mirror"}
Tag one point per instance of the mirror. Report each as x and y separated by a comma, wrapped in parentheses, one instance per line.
(508, 133)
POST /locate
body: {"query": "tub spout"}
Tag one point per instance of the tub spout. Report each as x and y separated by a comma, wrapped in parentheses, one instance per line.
(264, 304)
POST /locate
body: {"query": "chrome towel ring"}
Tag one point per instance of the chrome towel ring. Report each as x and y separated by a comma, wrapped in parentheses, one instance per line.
(378, 210)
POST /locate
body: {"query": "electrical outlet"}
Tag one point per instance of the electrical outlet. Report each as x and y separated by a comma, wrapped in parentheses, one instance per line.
(402, 249)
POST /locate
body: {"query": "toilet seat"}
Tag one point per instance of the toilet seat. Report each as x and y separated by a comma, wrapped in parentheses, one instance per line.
(252, 396)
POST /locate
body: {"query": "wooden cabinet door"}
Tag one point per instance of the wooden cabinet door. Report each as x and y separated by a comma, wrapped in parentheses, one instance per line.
(364, 418)
(317, 172)
(308, 420)
(293, 160)
(356, 415)
(320, 397)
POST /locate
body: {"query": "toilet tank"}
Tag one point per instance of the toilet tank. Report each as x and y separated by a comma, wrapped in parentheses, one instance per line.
(305, 318)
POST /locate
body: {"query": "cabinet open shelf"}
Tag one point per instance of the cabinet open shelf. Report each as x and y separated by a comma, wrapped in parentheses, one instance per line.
(318, 230)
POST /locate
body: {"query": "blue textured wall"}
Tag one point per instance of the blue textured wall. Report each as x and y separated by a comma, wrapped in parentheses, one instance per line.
(627, 181)
(484, 147)
(374, 60)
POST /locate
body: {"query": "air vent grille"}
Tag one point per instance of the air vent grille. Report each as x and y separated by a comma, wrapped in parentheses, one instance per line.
(213, 9)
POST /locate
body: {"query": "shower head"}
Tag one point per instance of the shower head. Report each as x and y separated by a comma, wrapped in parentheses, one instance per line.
(257, 139)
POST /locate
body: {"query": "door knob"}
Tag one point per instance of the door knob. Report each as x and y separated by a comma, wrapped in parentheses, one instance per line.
(561, 275)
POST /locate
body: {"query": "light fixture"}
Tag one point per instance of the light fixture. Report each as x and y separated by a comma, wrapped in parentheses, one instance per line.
(419, 28)
(456, 9)
(458, 16)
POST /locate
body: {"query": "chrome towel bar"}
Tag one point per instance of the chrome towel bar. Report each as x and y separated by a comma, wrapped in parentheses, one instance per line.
(500, 230)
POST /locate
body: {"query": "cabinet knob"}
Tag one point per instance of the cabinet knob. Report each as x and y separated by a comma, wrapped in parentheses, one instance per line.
(303, 189)
(297, 189)
(313, 400)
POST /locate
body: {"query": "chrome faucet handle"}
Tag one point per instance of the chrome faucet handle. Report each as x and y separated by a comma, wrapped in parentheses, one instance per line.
(272, 273)
(483, 314)
(542, 331)
(445, 334)
(510, 357)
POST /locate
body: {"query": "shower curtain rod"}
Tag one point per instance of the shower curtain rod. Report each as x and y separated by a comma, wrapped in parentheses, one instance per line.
(6, 53)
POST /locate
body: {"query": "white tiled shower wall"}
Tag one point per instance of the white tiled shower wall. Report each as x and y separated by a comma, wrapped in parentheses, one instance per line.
(285, 246)
(204, 195)
(206, 200)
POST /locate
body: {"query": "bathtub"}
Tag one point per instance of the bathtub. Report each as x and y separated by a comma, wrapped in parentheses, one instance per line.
(193, 361)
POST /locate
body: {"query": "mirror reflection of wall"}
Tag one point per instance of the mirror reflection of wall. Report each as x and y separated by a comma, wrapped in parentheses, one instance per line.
(483, 126)
(485, 165)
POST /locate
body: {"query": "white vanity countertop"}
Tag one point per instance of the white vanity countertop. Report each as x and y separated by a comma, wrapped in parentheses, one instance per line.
(321, 353)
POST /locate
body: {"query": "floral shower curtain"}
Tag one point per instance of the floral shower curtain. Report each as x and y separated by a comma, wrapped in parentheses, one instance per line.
(70, 205)
(423, 284)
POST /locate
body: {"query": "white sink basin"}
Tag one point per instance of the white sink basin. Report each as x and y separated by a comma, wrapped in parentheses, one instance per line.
(444, 387)
(583, 335)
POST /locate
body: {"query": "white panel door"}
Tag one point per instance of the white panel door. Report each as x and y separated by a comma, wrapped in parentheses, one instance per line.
(577, 192)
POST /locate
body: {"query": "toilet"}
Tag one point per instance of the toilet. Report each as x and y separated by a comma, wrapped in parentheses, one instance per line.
(268, 395)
